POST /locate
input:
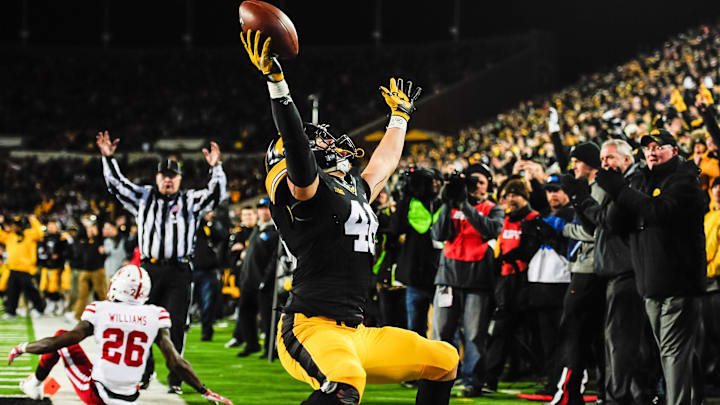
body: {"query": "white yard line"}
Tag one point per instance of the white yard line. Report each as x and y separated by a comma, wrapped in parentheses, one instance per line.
(47, 326)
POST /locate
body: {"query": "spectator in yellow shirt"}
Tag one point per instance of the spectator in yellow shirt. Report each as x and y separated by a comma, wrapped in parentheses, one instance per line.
(20, 240)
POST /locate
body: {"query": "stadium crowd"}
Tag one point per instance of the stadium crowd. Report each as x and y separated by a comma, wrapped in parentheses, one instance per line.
(572, 237)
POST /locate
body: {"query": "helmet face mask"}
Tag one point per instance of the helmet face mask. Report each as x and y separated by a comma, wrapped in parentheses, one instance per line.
(332, 153)
(130, 284)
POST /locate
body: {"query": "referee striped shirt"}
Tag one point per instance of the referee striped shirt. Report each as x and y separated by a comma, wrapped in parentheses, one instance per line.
(166, 225)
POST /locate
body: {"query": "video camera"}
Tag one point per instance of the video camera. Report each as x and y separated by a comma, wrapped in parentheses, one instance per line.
(415, 182)
(458, 184)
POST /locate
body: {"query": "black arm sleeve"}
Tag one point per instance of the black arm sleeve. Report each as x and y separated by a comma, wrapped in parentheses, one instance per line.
(443, 228)
(488, 226)
(301, 165)
(561, 154)
(711, 124)
(538, 198)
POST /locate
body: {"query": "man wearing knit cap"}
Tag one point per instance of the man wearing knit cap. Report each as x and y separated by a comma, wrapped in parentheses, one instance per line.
(513, 252)
(581, 325)
(667, 246)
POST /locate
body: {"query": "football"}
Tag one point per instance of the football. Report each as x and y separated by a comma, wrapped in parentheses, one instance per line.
(260, 16)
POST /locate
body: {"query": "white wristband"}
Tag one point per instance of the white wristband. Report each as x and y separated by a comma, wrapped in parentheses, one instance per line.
(279, 89)
(397, 122)
(22, 347)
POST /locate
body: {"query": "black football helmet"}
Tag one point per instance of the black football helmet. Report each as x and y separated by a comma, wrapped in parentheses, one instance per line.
(331, 153)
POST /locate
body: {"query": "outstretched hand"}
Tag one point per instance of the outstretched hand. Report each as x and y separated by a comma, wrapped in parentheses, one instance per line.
(107, 147)
(401, 99)
(212, 156)
(261, 58)
(16, 351)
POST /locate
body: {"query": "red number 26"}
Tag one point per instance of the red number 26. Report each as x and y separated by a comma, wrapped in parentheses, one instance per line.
(133, 350)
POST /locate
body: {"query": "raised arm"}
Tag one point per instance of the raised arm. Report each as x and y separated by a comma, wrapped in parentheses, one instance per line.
(561, 153)
(36, 228)
(127, 193)
(208, 198)
(3, 233)
(302, 172)
(707, 110)
(50, 344)
(401, 100)
(182, 368)
(488, 226)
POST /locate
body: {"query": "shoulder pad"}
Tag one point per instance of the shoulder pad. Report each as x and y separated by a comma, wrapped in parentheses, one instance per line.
(275, 175)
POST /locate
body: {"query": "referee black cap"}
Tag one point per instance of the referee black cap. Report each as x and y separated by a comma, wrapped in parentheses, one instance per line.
(169, 167)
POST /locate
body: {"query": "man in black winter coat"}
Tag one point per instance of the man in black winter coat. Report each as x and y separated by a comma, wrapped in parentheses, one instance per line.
(206, 267)
(629, 360)
(667, 244)
(256, 280)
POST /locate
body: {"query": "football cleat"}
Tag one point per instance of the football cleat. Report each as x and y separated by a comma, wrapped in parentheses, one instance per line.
(32, 387)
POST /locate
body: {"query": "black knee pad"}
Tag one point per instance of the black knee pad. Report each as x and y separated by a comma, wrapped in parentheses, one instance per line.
(339, 394)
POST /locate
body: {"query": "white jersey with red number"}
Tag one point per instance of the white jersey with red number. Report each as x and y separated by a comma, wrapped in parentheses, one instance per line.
(124, 334)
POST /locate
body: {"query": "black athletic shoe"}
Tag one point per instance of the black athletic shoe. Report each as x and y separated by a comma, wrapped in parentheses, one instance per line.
(491, 386)
(248, 351)
(233, 343)
(410, 384)
(471, 392)
(175, 389)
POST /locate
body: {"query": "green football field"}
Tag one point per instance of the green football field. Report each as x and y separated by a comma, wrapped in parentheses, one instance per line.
(253, 381)
(246, 381)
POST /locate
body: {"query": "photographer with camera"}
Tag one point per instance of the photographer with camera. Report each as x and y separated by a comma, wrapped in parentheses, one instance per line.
(419, 254)
(467, 221)
(21, 241)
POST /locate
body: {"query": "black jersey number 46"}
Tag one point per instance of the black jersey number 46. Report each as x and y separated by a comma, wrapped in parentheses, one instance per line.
(364, 224)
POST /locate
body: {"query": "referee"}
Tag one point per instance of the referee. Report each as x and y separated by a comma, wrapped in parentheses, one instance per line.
(167, 219)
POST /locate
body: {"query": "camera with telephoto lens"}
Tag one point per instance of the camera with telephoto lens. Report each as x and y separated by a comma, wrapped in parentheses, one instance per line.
(458, 184)
(415, 182)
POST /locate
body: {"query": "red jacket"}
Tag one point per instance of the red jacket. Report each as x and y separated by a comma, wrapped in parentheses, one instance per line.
(509, 239)
(469, 245)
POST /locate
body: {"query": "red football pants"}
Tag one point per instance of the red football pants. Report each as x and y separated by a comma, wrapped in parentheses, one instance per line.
(78, 369)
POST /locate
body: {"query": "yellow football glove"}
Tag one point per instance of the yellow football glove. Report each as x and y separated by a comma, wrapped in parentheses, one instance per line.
(266, 62)
(676, 99)
(397, 97)
(706, 95)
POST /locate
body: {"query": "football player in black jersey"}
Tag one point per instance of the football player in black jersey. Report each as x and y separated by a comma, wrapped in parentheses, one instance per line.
(323, 214)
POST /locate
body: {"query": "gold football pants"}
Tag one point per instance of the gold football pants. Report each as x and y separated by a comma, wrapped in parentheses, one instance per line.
(318, 350)
(50, 280)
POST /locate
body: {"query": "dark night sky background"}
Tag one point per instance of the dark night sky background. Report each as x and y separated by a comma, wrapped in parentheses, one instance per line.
(590, 35)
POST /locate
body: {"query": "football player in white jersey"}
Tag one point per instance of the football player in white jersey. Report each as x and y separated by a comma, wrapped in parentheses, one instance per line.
(125, 330)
